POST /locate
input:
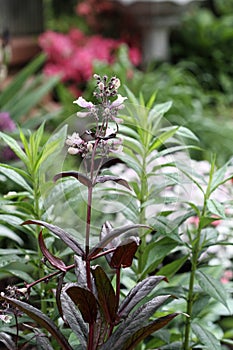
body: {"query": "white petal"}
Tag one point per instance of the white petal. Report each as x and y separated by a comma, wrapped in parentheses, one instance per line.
(83, 103)
(120, 99)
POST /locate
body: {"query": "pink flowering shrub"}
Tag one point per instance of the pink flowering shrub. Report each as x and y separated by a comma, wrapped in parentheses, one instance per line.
(72, 55)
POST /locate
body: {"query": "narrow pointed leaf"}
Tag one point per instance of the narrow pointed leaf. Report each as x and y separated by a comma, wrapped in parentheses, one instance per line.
(40, 318)
(85, 301)
(159, 141)
(74, 319)
(15, 147)
(144, 332)
(53, 260)
(113, 234)
(212, 287)
(79, 176)
(139, 292)
(106, 294)
(80, 271)
(216, 208)
(7, 341)
(42, 342)
(124, 253)
(134, 322)
(67, 238)
(14, 175)
(120, 181)
(206, 338)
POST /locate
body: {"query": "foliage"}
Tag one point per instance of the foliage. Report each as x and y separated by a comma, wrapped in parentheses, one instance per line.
(170, 210)
(208, 54)
(25, 92)
(92, 307)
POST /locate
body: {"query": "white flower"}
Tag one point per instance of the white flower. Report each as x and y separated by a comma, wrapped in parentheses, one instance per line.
(118, 102)
(83, 103)
(5, 318)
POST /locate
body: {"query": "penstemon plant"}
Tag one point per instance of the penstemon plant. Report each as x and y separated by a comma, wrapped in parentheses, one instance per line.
(93, 308)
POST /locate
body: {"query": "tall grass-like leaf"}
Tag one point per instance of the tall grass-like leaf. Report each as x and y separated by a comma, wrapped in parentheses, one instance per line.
(212, 287)
(40, 318)
(20, 79)
(206, 338)
(32, 98)
(74, 319)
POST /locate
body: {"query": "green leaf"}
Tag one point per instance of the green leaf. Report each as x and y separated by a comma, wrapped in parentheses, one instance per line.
(85, 301)
(186, 133)
(15, 147)
(169, 270)
(20, 79)
(137, 293)
(40, 318)
(74, 319)
(155, 252)
(218, 178)
(212, 287)
(106, 294)
(206, 338)
(162, 138)
(216, 208)
(13, 174)
(6, 232)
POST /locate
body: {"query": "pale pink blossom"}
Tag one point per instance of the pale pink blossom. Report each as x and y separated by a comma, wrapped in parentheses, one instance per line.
(81, 102)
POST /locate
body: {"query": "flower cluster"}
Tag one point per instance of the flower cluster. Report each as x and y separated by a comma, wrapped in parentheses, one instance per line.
(103, 135)
(72, 55)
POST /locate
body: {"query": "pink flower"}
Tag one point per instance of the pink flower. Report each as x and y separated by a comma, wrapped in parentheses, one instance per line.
(6, 123)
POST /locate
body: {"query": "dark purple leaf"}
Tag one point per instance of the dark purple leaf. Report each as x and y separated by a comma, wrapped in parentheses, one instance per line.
(133, 323)
(80, 271)
(144, 332)
(58, 293)
(112, 235)
(124, 253)
(66, 237)
(74, 318)
(106, 294)
(53, 260)
(139, 292)
(120, 181)
(7, 341)
(79, 176)
(85, 301)
(40, 318)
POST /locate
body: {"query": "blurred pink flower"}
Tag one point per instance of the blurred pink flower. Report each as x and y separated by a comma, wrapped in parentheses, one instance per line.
(72, 55)
(6, 123)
